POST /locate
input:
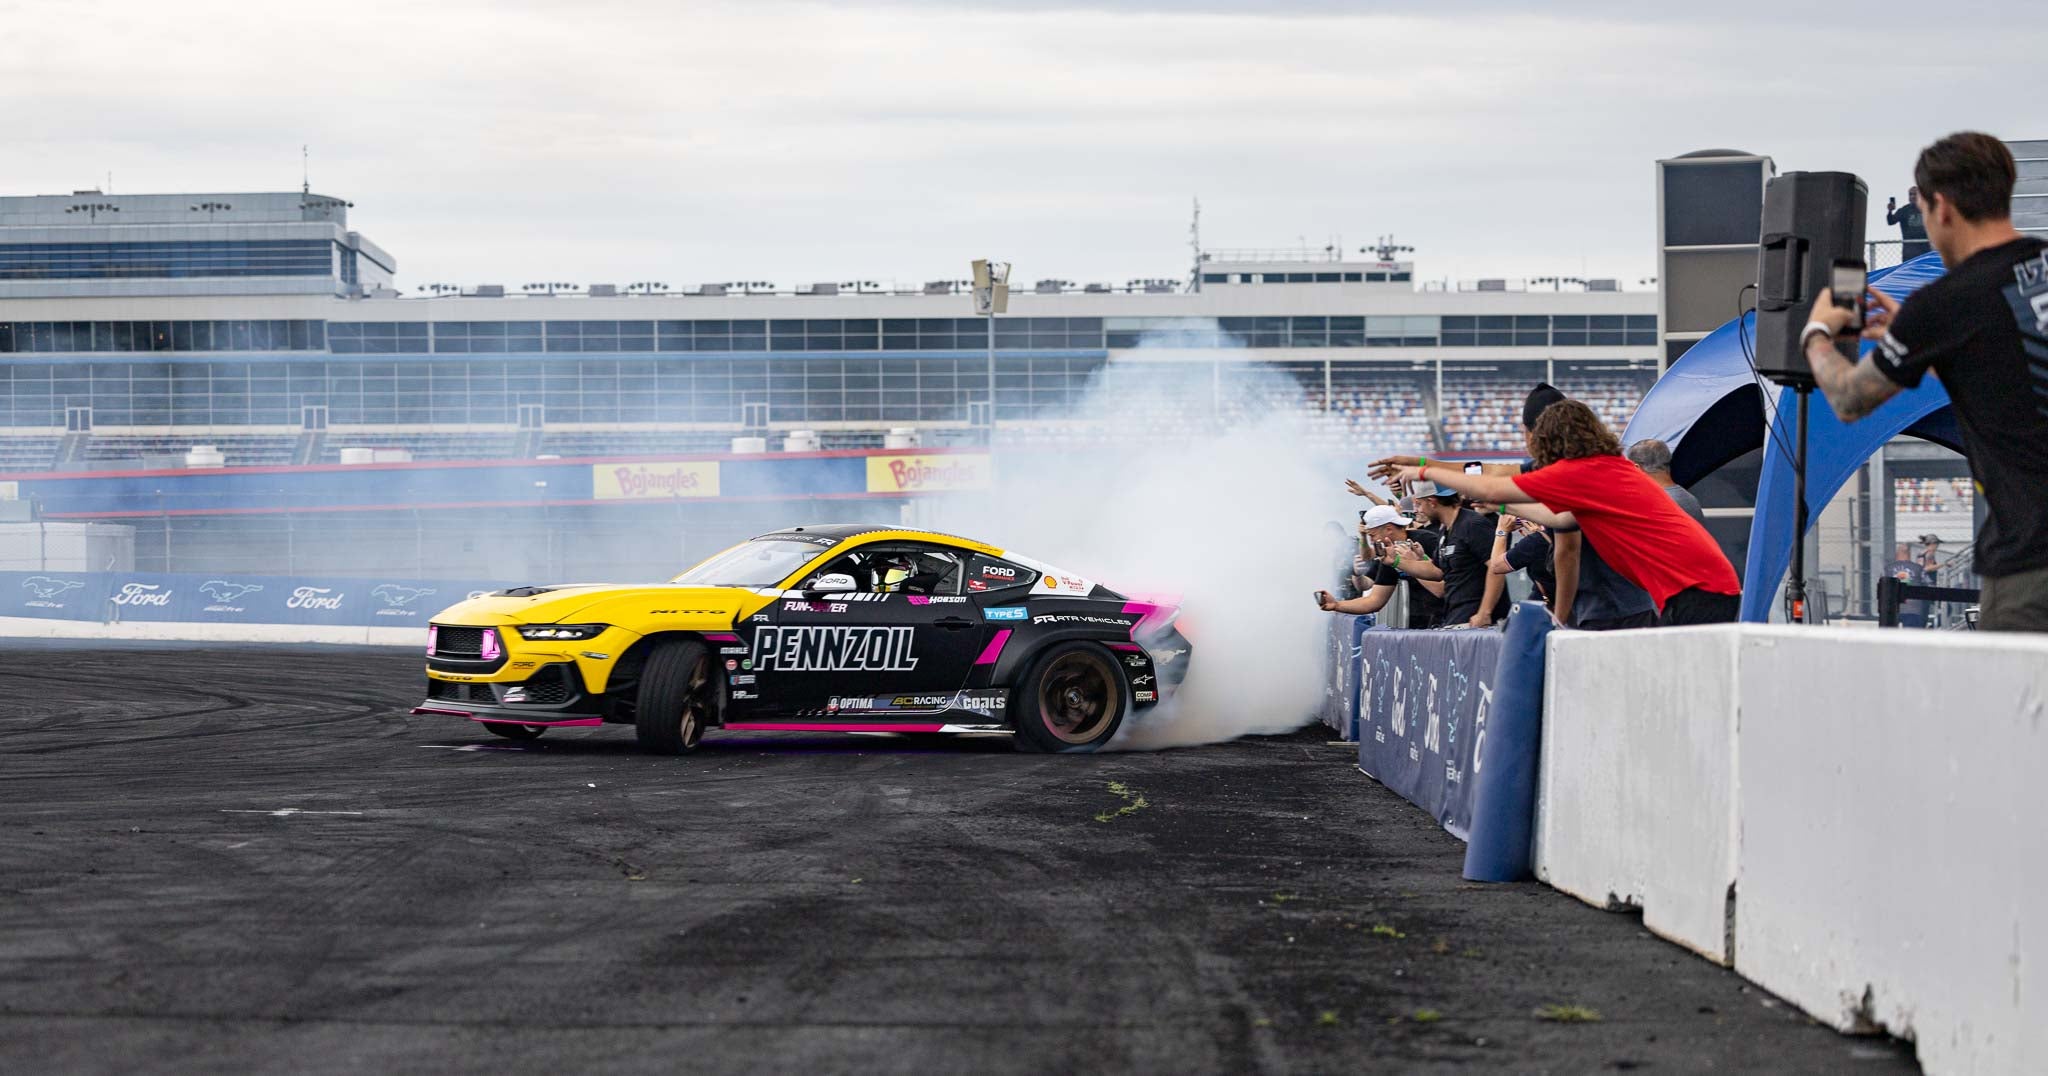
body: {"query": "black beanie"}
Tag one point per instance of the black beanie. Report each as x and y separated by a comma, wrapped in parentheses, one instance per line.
(1540, 398)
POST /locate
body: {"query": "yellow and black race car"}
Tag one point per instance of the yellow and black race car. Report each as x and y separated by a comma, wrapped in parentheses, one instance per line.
(824, 628)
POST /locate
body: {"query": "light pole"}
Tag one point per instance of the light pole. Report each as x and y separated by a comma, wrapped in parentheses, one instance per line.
(210, 208)
(991, 297)
(1385, 249)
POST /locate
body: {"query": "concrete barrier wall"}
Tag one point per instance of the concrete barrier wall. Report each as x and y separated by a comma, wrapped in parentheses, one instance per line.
(1635, 804)
(1877, 800)
(1894, 868)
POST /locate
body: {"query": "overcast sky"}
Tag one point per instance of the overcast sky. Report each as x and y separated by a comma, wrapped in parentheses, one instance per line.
(685, 142)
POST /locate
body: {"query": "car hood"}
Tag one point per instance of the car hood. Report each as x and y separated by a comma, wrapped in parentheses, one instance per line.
(599, 603)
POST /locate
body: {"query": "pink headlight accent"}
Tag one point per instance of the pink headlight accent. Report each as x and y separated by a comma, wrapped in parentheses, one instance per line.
(492, 648)
(433, 636)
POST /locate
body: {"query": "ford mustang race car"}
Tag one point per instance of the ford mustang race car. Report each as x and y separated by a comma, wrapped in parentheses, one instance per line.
(823, 628)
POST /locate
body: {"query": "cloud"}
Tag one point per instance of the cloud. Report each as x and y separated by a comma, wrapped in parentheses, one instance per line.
(792, 141)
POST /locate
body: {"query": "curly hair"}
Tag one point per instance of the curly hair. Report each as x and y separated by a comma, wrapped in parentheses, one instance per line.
(1569, 430)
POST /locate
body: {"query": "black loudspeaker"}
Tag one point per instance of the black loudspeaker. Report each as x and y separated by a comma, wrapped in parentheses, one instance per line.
(1810, 220)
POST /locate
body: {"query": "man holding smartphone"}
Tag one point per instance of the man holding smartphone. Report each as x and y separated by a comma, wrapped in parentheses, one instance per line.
(1398, 553)
(1983, 329)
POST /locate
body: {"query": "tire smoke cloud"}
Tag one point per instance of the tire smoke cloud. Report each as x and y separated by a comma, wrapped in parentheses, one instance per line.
(1233, 520)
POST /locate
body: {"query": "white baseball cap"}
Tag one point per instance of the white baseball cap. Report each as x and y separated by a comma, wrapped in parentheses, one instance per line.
(1380, 515)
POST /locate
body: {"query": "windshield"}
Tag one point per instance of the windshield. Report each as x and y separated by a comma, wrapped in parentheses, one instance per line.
(762, 563)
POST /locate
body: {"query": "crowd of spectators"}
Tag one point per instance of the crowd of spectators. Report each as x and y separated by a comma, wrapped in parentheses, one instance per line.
(1598, 530)
(1607, 541)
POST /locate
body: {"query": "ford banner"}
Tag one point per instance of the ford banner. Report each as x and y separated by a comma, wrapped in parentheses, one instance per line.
(1423, 698)
(231, 598)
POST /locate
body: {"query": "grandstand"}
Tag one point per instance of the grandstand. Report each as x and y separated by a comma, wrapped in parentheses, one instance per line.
(1943, 507)
(1483, 415)
(277, 336)
(1348, 410)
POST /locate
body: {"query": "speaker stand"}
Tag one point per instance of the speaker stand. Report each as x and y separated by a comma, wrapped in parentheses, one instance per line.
(1795, 583)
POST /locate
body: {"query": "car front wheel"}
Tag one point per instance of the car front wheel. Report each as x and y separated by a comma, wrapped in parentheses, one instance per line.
(1072, 700)
(678, 697)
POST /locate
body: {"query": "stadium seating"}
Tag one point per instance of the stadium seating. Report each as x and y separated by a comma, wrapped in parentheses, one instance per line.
(119, 451)
(1483, 415)
(440, 445)
(1933, 495)
(1360, 413)
(27, 453)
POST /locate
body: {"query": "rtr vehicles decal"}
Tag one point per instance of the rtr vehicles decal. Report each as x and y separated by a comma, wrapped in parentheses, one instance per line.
(842, 627)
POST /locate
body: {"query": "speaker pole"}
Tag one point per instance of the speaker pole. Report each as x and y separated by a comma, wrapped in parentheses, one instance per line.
(1795, 584)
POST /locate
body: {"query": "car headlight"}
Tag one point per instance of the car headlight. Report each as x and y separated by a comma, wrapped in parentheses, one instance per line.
(561, 631)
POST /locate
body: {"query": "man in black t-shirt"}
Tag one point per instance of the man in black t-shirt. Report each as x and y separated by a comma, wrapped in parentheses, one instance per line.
(1399, 550)
(1461, 559)
(1982, 329)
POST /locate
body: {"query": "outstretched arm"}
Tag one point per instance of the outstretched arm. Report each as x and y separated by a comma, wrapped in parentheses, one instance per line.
(1497, 489)
(1371, 602)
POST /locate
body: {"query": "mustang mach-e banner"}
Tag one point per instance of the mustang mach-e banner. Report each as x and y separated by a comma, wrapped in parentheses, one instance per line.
(230, 598)
(928, 474)
(1423, 698)
(654, 481)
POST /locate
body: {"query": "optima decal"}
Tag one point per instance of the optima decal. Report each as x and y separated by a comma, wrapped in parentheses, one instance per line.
(835, 649)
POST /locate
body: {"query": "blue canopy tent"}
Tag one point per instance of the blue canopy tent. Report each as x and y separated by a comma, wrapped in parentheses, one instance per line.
(1709, 407)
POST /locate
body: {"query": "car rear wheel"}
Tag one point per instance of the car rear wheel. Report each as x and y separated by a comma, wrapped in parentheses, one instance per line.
(511, 731)
(678, 696)
(1072, 700)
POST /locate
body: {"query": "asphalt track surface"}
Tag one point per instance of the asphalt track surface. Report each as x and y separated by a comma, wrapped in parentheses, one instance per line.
(252, 860)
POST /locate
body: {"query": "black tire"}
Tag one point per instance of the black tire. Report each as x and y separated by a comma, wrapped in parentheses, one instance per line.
(678, 696)
(1072, 700)
(511, 731)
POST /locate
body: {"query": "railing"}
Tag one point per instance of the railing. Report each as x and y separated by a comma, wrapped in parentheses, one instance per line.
(1885, 253)
(1892, 593)
(1331, 253)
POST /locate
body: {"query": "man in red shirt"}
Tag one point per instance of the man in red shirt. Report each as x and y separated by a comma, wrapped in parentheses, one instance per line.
(1583, 482)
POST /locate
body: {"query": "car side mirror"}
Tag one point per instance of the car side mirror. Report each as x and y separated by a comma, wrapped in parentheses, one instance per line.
(835, 583)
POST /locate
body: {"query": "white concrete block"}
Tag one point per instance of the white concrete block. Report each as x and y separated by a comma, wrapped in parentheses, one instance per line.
(1636, 798)
(1891, 869)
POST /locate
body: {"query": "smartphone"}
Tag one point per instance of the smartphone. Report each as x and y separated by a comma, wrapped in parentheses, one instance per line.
(1849, 280)
(1319, 599)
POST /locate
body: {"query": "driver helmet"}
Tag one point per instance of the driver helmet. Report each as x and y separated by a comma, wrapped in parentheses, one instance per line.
(892, 570)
